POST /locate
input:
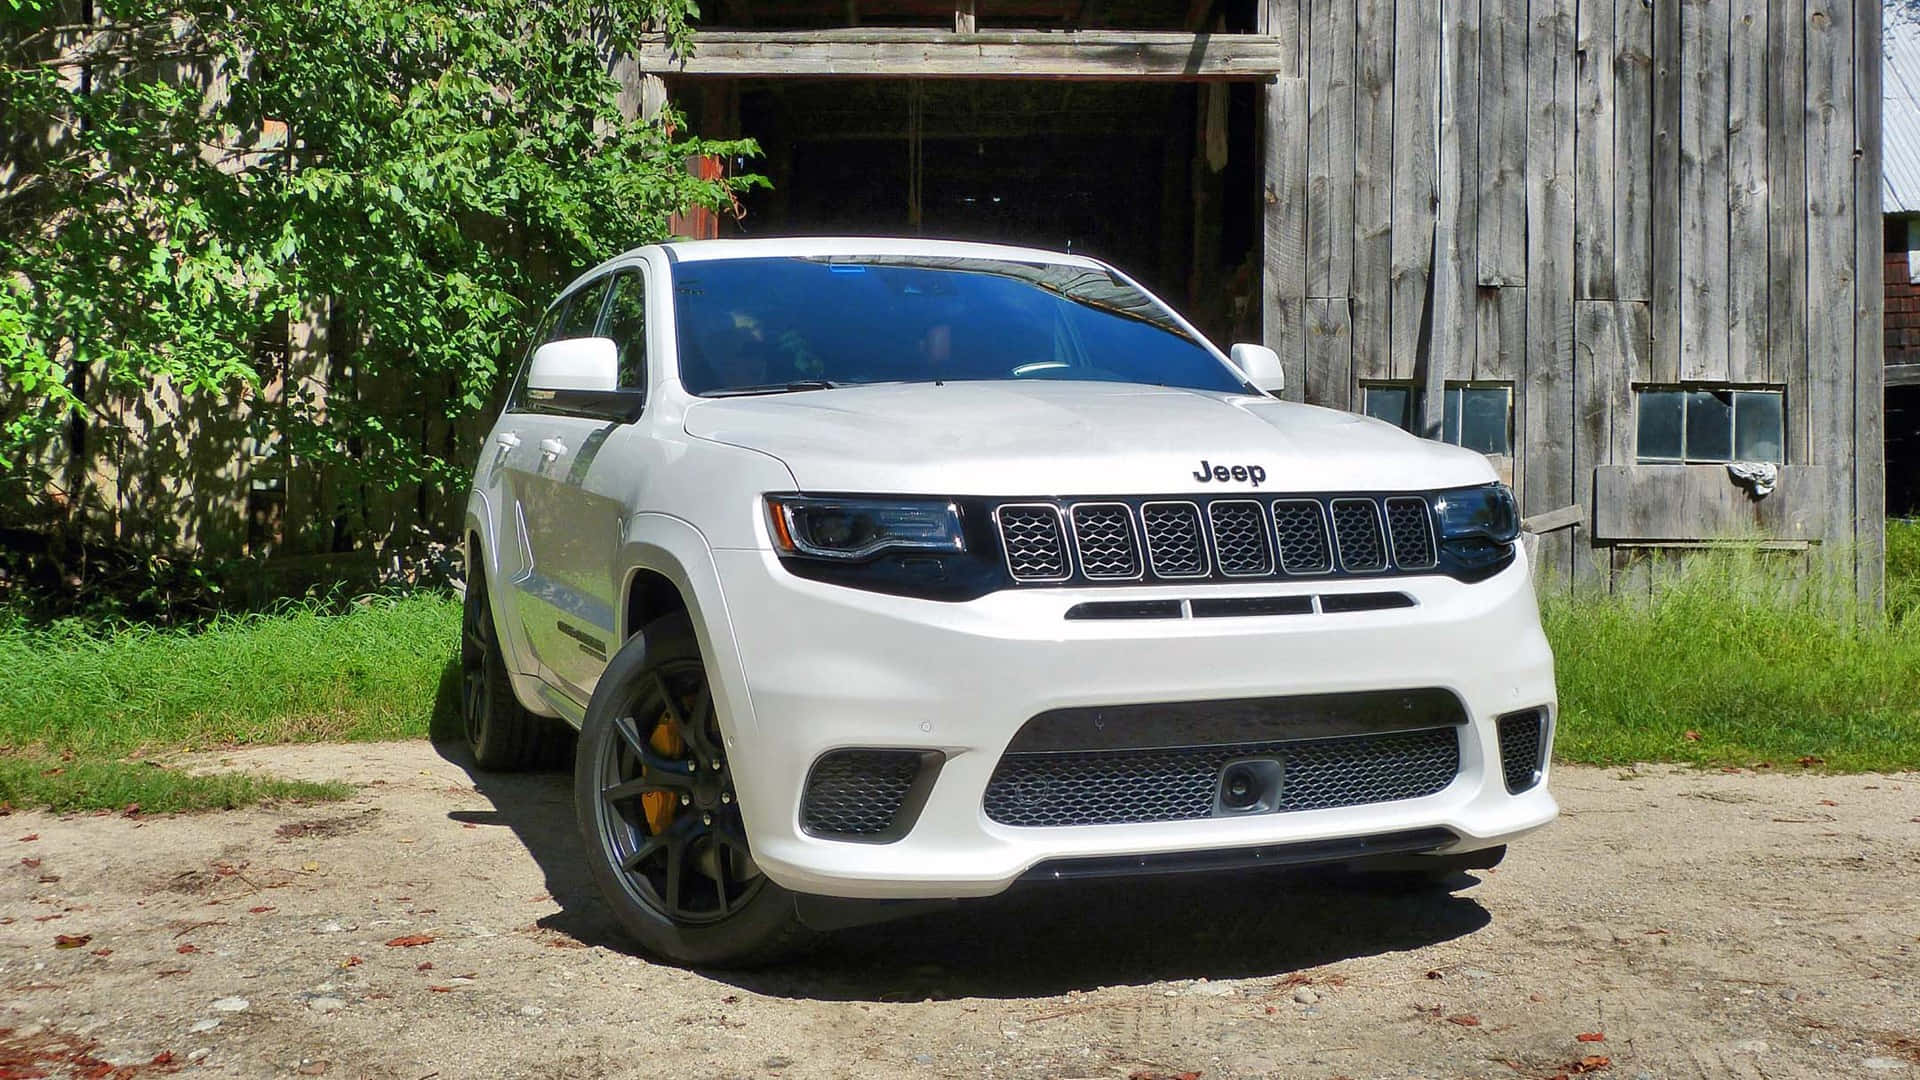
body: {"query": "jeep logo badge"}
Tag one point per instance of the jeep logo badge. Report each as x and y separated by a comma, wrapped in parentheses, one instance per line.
(1223, 473)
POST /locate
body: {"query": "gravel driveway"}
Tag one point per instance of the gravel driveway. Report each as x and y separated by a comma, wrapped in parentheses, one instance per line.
(1673, 923)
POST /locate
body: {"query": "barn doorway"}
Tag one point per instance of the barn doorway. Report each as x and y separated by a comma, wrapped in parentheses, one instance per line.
(1159, 178)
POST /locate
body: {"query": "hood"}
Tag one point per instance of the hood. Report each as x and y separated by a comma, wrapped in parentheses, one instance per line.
(1074, 438)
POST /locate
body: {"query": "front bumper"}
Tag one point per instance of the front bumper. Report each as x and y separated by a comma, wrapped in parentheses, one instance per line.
(826, 667)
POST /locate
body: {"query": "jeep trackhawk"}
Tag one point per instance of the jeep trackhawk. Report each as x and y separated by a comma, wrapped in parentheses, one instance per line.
(894, 569)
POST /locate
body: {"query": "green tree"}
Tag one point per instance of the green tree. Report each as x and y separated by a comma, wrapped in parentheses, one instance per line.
(177, 175)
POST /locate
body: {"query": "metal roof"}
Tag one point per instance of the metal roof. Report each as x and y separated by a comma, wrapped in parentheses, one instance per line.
(1900, 115)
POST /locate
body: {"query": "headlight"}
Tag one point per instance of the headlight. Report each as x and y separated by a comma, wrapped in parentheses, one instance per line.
(1481, 512)
(1477, 528)
(853, 529)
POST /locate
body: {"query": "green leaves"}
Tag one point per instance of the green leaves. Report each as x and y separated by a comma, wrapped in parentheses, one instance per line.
(430, 170)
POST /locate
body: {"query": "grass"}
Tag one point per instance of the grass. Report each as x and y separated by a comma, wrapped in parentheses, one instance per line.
(382, 670)
(1733, 663)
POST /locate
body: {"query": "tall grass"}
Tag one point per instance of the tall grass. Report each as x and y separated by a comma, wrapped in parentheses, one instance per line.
(300, 674)
(1733, 661)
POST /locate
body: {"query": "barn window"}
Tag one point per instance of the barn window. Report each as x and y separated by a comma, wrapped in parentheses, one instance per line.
(1476, 416)
(1710, 424)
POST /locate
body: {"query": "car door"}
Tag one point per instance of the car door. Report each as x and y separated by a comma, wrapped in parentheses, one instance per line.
(507, 462)
(561, 610)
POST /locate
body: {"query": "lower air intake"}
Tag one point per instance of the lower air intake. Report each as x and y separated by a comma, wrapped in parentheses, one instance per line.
(1522, 743)
(865, 794)
(1122, 787)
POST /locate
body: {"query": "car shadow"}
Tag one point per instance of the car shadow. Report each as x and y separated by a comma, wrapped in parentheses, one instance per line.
(1035, 940)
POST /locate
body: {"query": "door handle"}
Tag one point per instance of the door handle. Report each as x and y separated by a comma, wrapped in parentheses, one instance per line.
(552, 448)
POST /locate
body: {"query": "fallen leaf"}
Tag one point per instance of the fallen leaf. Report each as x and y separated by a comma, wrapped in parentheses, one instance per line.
(171, 971)
(31, 864)
(407, 941)
(1691, 736)
(1464, 1020)
(70, 941)
(186, 949)
(1271, 1009)
(424, 965)
(1590, 1063)
(1828, 802)
(441, 989)
(30, 838)
(1591, 1036)
(164, 1057)
(1435, 974)
(1809, 761)
(48, 879)
(258, 910)
(351, 961)
(103, 952)
(48, 918)
(309, 868)
(1657, 930)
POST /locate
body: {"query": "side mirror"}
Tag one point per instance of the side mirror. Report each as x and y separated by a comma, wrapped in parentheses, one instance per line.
(588, 363)
(1260, 365)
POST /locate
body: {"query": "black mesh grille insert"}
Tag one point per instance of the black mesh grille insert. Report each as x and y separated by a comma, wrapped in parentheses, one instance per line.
(1119, 787)
(858, 792)
(1240, 537)
(1410, 529)
(1175, 548)
(1103, 533)
(1302, 529)
(1356, 529)
(1520, 745)
(1035, 549)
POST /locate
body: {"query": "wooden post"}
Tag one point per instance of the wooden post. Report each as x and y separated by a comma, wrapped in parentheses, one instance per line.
(964, 19)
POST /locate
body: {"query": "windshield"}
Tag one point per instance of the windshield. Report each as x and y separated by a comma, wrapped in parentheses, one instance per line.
(768, 325)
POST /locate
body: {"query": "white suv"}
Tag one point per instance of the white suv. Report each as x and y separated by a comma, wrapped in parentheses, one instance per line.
(897, 569)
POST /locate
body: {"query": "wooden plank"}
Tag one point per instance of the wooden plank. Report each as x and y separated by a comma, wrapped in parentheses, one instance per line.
(1416, 84)
(1869, 398)
(1330, 380)
(1500, 338)
(1664, 243)
(1787, 216)
(1747, 191)
(1703, 190)
(1546, 480)
(1284, 227)
(868, 52)
(1901, 375)
(1285, 22)
(1500, 247)
(1373, 190)
(1630, 347)
(1455, 329)
(965, 19)
(1566, 517)
(1830, 257)
(1633, 148)
(1608, 343)
(1594, 250)
(1701, 502)
(1632, 574)
(1330, 148)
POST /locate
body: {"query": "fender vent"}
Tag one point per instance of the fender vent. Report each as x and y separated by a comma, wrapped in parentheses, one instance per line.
(869, 795)
(1523, 742)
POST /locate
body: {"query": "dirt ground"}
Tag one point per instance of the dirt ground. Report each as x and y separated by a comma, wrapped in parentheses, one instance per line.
(1673, 923)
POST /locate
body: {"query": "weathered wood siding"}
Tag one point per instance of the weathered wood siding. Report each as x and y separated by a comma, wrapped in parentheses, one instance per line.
(1620, 193)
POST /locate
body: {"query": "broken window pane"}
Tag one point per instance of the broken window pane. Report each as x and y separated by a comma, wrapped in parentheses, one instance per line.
(1661, 425)
(1709, 425)
(1484, 419)
(1758, 427)
(1394, 404)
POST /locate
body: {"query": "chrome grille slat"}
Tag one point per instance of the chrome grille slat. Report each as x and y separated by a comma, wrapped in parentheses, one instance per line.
(1357, 536)
(1301, 525)
(1240, 543)
(1410, 533)
(1035, 541)
(1105, 540)
(1176, 544)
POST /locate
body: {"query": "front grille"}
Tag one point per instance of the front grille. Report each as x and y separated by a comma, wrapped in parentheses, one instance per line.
(860, 794)
(1120, 787)
(1103, 533)
(1301, 525)
(1356, 532)
(1175, 546)
(1410, 528)
(1240, 538)
(1522, 738)
(1036, 548)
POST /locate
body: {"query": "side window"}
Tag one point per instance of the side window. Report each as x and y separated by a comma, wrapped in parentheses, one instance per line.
(583, 311)
(543, 332)
(626, 324)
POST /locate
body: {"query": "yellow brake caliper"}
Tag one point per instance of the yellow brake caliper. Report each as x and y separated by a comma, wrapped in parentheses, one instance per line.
(660, 806)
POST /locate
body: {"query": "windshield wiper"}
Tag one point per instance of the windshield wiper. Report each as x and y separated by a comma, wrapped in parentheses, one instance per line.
(793, 387)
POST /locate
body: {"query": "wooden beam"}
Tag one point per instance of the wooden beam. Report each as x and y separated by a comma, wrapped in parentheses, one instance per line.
(1010, 54)
(1903, 375)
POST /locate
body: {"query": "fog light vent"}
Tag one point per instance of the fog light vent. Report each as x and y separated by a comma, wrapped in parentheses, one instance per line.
(1523, 743)
(871, 795)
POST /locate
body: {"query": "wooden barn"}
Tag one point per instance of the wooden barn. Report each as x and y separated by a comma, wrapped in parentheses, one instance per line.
(1632, 248)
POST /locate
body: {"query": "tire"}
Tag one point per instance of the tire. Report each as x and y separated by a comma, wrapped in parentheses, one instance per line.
(663, 835)
(501, 734)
